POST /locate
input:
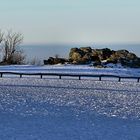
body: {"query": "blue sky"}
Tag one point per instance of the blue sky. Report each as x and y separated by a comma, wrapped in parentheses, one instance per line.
(73, 21)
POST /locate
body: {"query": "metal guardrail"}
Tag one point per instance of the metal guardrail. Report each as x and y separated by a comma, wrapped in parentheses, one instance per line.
(60, 75)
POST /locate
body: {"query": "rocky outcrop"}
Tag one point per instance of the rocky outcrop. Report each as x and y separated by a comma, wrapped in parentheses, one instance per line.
(102, 57)
(103, 54)
(125, 58)
(80, 56)
(53, 61)
(97, 57)
(87, 55)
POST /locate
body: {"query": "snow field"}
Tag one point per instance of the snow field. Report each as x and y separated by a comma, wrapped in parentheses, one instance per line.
(68, 109)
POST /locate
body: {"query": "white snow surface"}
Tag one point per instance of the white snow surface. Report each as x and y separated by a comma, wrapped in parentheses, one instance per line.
(69, 109)
(71, 69)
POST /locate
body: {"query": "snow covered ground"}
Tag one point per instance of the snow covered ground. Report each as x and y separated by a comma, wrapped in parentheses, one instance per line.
(68, 109)
(71, 69)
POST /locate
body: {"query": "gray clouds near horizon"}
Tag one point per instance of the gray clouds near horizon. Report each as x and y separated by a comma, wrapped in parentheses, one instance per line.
(73, 21)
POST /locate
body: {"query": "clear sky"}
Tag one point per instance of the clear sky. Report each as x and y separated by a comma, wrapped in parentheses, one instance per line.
(73, 21)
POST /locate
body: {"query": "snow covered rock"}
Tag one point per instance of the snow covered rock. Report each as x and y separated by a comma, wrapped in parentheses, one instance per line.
(86, 55)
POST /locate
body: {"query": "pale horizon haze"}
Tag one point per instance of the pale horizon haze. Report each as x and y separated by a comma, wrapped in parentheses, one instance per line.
(72, 21)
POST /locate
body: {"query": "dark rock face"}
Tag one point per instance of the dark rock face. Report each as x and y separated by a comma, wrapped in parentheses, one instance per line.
(103, 54)
(124, 57)
(86, 55)
(98, 57)
(86, 49)
(53, 61)
(80, 56)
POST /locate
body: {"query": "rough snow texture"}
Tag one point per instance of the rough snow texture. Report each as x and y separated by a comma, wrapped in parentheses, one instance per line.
(69, 109)
(26, 96)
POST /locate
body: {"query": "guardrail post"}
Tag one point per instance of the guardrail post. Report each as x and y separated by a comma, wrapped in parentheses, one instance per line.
(100, 78)
(138, 80)
(1, 75)
(41, 76)
(79, 77)
(119, 79)
(59, 76)
(20, 75)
